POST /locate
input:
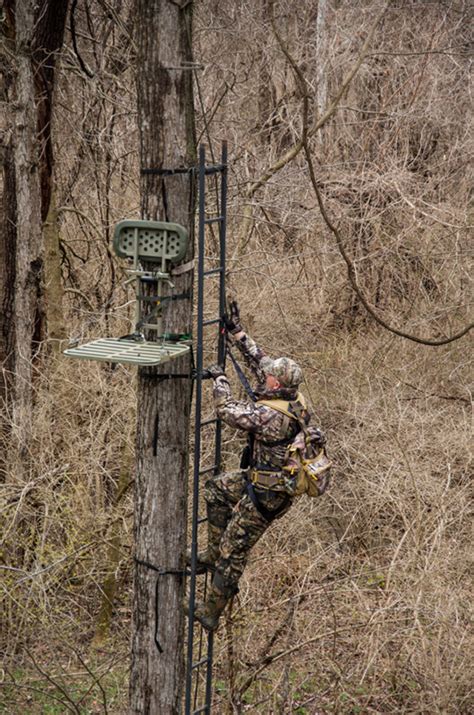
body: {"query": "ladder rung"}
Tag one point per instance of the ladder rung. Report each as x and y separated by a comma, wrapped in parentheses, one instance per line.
(202, 519)
(214, 220)
(213, 271)
(203, 709)
(214, 169)
(209, 469)
(210, 421)
(200, 662)
(214, 321)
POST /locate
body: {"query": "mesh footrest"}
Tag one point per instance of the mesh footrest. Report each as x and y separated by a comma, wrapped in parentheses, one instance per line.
(128, 352)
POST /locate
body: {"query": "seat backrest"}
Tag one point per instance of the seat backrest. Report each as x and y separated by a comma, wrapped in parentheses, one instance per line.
(157, 240)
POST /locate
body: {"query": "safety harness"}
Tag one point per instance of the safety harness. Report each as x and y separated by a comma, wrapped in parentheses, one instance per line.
(265, 475)
(298, 474)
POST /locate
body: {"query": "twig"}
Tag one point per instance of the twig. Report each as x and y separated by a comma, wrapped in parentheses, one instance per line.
(44, 693)
(272, 658)
(55, 563)
(82, 295)
(96, 679)
(56, 685)
(351, 272)
(84, 68)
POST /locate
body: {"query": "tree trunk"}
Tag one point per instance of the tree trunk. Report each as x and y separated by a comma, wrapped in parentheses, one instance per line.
(7, 230)
(322, 53)
(48, 40)
(53, 278)
(33, 33)
(29, 254)
(165, 115)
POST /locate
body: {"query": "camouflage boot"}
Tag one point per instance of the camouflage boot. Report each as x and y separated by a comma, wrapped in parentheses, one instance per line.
(209, 612)
(205, 561)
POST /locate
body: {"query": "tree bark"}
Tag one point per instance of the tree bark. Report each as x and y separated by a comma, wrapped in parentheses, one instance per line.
(7, 228)
(48, 40)
(33, 33)
(322, 53)
(53, 278)
(29, 254)
(166, 124)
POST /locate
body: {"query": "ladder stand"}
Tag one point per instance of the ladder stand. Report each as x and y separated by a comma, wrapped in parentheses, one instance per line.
(162, 244)
(202, 662)
(154, 242)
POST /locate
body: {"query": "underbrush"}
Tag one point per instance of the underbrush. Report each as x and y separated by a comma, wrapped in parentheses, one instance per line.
(355, 603)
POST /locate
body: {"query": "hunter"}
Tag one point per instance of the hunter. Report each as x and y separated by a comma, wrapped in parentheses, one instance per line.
(242, 504)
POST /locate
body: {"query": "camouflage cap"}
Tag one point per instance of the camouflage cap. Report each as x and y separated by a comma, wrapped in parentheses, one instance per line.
(286, 370)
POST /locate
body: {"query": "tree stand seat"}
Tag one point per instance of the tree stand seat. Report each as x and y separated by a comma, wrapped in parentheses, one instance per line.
(149, 242)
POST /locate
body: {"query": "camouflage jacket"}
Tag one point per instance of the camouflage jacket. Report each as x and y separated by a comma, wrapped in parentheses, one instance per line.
(266, 424)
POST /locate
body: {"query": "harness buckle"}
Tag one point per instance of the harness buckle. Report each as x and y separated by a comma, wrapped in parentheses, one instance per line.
(266, 480)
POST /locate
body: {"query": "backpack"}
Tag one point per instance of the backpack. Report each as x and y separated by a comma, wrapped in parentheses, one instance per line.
(306, 466)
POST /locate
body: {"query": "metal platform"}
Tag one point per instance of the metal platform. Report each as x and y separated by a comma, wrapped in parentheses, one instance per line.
(129, 352)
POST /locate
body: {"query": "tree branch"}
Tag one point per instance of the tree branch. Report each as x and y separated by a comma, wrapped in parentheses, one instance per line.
(298, 146)
(72, 21)
(351, 272)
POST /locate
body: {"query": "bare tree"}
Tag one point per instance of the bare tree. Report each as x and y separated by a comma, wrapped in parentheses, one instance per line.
(165, 110)
(34, 34)
(8, 209)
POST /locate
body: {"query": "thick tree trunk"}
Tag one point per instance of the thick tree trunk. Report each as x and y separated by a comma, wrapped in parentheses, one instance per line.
(48, 40)
(29, 255)
(165, 115)
(33, 33)
(7, 229)
(7, 282)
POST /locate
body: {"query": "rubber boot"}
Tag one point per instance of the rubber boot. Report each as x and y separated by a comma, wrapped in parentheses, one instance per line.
(204, 561)
(209, 612)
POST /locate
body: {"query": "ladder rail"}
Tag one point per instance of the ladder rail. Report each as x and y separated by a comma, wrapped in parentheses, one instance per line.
(197, 428)
(192, 669)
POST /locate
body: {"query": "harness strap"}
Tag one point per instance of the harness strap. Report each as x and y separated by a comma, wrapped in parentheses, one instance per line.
(266, 513)
(291, 408)
(240, 374)
(160, 572)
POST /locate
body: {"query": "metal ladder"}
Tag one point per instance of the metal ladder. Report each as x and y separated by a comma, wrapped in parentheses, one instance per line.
(202, 662)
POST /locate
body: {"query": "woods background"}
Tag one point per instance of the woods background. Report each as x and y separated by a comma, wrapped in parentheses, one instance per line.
(355, 603)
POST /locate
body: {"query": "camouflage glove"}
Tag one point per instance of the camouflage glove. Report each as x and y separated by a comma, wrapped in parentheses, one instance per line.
(214, 371)
(318, 436)
(232, 319)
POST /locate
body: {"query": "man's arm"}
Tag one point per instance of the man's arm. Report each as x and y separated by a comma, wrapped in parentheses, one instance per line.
(251, 352)
(238, 413)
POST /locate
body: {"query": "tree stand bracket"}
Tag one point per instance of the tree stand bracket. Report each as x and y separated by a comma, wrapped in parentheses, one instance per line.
(155, 242)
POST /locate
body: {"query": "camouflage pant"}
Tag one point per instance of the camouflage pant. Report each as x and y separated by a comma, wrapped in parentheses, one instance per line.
(237, 524)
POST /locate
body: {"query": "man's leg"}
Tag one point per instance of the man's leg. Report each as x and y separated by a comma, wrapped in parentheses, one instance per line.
(244, 529)
(221, 493)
